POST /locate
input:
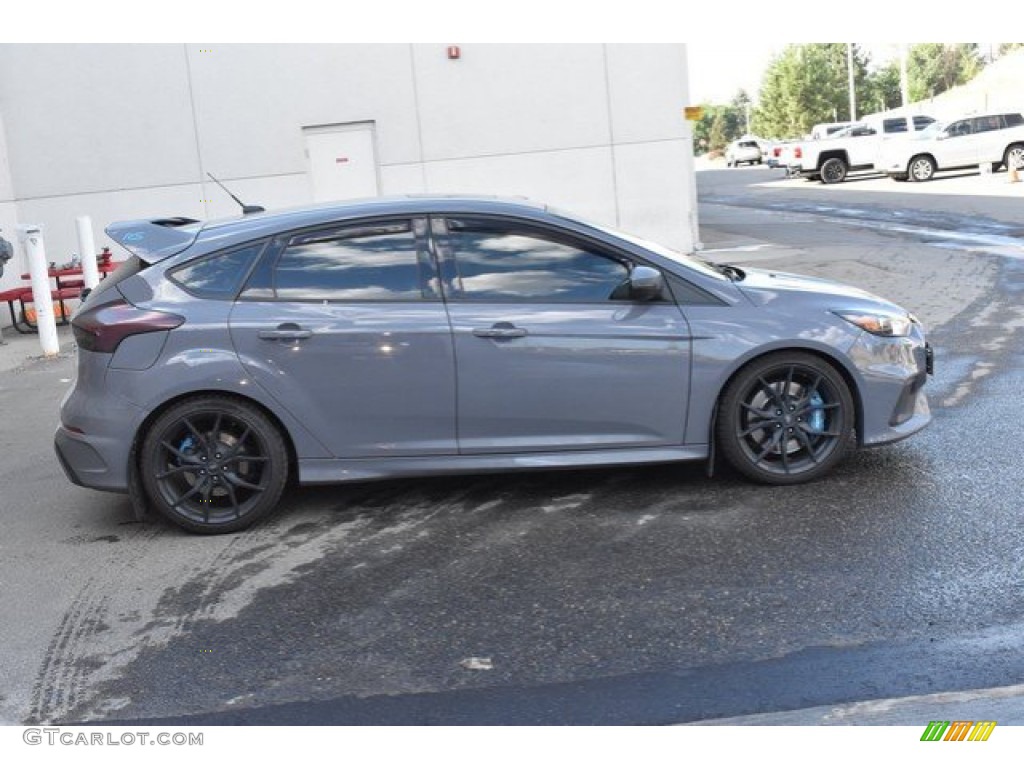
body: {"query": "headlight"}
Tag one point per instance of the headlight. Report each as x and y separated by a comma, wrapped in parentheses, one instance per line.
(880, 323)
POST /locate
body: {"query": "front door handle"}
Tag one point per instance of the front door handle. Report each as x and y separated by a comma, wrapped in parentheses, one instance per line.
(500, 331)
(286, 332)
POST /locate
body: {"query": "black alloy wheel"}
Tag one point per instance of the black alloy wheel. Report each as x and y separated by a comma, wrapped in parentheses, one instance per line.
(214, 464)
(786, 418)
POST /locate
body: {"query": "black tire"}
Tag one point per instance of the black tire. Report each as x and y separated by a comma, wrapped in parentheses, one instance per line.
(921, 168)
(833, 170)
(899, 177)
(1014, 157)
(213, 464)
(785, 418)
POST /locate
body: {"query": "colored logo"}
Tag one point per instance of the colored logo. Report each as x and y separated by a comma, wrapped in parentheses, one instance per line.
(958, 730)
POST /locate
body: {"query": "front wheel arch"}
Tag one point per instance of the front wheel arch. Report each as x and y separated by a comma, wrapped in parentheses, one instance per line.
(785, 418)
(839, 365)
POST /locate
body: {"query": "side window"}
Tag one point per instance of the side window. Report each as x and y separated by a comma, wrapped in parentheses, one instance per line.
(961, 128)
(375, 262)
(1013, 119)
(218, 276)
(921, 122)
(984, 124)
(498, 263)
(895, 125)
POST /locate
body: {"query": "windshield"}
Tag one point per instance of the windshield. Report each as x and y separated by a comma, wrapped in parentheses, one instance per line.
(704, 267)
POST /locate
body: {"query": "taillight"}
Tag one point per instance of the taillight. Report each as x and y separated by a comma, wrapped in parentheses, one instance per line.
(777, 151)
(798, 153)
(103, 327)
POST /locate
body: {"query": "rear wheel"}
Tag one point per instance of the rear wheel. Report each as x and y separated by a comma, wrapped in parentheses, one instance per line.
(833, 170)
(921, 168)
(214, 464)
(785, 419)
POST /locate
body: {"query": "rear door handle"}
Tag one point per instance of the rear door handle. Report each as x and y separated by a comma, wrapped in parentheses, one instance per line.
(286, 332)
(500, 331)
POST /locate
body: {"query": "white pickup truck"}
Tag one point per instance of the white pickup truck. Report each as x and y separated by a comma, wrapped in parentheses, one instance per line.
(854, 148)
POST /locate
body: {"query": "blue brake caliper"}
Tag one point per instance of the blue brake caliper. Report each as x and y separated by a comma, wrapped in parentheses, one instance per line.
(816, 419)
(186, 446)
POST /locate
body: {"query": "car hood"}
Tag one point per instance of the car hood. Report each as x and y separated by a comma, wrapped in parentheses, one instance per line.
(764, 287)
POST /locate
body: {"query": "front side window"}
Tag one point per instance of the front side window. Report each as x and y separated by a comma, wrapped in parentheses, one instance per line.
(494, 263)
(961, 128)
(364, 263)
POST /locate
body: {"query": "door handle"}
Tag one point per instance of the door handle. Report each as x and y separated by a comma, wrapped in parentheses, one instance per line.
(500, 331)
(286, 332)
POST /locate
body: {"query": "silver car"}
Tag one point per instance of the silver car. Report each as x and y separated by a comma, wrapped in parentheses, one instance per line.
(413, 336)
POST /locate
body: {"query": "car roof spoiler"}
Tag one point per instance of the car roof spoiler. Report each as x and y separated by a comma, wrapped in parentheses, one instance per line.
(153, 240)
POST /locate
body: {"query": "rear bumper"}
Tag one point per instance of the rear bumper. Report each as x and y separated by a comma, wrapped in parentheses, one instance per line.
(92, 462)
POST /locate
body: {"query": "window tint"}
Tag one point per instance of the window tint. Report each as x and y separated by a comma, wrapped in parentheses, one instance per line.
(218, 276)
(987, 123)
(1013, 118)
(368, 263)
(962, 128)
(895, 125)
(518, 265)
(921, 121)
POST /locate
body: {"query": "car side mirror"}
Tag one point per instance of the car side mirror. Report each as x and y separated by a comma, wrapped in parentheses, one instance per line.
(646, 284)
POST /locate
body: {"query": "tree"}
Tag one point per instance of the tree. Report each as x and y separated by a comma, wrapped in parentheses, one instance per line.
(716, 136)
(883, 89)
(808, 84)
(933, 68)
(730, 121)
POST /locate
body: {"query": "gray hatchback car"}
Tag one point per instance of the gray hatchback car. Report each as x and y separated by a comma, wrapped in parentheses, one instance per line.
(412, 336)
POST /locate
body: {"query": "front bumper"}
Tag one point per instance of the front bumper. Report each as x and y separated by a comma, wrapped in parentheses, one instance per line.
(893, 374)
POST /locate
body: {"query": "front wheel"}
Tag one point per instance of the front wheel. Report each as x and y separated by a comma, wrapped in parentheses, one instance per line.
(833, 170)
(1014, 157)
(213, 464)
(785, 419)
(922, 168)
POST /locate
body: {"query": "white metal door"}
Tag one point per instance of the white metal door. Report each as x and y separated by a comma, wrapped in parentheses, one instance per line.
(342, 161)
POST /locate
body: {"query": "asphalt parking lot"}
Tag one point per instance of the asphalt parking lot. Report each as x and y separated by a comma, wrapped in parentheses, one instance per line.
(648, 595)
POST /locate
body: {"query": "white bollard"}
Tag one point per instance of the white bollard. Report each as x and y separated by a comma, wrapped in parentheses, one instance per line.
(32, 240)
(87, 248)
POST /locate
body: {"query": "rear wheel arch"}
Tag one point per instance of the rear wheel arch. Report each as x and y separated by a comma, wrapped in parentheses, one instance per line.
(158, 411)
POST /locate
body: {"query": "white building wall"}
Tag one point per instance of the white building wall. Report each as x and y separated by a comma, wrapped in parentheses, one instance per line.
(8, 222)
(130, 131)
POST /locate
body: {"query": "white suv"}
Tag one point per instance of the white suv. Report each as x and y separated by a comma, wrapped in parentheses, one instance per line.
(967, 143)
(743, 151)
